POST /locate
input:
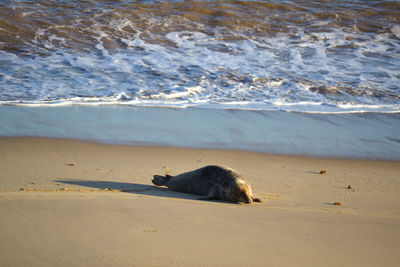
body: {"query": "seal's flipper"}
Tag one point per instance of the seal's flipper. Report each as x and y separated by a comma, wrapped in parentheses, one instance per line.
(256, 199)
(211, 195)
(160, 180)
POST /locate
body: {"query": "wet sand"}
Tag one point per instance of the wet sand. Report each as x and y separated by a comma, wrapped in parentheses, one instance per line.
(358, 135)
(73, 203)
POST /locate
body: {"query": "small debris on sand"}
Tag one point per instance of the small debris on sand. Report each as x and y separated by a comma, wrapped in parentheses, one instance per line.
(323, 172)
(350, 188)
(71, 164)
(337, 203)
(166, 170)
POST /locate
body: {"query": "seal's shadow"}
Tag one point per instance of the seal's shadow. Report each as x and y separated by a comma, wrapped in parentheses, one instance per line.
(133, 188)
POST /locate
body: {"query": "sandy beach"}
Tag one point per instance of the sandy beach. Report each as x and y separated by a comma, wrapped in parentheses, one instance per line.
(73, 203)
(300, 97)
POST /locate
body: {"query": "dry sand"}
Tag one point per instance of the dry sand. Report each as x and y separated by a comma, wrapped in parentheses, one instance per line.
(85, 204)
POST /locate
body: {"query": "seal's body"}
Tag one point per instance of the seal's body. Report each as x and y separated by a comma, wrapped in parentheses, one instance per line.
(210, 182)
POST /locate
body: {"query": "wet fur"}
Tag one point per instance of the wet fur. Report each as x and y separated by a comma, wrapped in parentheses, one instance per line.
(210, 182)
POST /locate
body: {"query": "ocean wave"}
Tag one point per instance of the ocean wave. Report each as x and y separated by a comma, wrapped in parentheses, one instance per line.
(124, 100)
(291, 55)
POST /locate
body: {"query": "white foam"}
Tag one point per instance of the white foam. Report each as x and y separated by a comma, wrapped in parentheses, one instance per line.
(396, 30)
(279, 72)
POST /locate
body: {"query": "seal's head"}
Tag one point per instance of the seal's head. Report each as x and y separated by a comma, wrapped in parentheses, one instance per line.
(240, 191)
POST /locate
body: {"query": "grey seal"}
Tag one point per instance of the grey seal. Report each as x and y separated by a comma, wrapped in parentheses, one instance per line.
(210, 182)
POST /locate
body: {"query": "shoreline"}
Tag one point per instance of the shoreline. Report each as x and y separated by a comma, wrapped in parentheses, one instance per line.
(363, 135)
(226, 150)
(91, 204)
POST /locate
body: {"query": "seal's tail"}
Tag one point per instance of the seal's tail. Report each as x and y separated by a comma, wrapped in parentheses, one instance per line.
(160, 180)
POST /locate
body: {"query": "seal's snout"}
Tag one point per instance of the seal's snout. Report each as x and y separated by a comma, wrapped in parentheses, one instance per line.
(245, 200)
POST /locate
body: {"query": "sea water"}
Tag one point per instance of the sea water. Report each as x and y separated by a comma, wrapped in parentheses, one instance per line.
(302, 77)
(305, 56)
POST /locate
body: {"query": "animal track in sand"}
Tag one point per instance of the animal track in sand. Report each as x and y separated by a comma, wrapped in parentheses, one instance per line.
(150, 231)
(65, 189)
(271, 196)
(68, 189)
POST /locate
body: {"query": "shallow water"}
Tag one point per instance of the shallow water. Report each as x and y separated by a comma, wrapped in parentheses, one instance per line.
(307, 56)
(360, 135)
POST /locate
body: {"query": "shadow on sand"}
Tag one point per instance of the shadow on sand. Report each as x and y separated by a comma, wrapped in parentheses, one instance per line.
(133, 188)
